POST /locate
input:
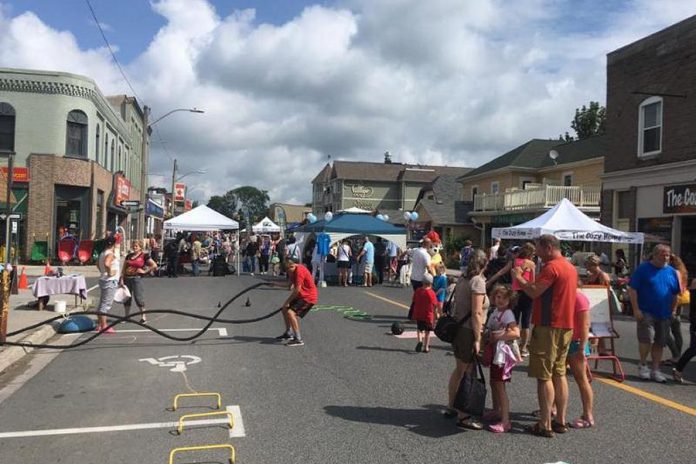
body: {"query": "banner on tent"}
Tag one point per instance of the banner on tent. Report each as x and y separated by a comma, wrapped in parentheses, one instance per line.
(570, 235)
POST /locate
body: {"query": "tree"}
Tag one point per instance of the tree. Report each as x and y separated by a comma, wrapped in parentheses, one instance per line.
(589, 121)
(231, 203)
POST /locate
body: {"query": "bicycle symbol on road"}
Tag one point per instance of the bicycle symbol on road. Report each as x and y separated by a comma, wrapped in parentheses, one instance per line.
(177, 363)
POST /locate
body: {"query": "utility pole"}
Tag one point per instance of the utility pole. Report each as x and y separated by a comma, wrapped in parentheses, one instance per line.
(144, 172)
(173, 186)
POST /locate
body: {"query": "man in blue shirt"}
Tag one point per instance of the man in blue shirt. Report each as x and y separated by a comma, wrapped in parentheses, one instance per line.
(654, 287)
(368, 251)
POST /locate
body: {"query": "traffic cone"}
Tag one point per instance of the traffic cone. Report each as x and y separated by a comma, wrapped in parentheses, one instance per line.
(47, 269)
(23, 283)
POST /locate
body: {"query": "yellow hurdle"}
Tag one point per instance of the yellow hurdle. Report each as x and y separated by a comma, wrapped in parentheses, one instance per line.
(173, 452)
(192, 395)
(205, 414)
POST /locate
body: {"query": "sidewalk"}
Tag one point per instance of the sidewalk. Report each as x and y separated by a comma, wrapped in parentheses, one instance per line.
(22, 315)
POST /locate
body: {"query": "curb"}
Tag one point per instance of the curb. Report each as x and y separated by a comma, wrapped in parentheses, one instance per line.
(11, 354)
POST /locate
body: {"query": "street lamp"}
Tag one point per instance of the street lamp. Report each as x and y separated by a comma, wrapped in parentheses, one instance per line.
(146, 159)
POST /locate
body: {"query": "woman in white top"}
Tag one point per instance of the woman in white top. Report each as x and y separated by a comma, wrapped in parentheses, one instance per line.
(343, 262)
(110, 269)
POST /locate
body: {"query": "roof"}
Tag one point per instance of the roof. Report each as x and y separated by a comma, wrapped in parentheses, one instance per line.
(390, 172)
(534, 154)
(324, 175)
(444, 208)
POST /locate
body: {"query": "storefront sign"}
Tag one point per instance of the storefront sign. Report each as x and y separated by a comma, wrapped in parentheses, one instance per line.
(188, 205)
(679, 199)
(179, 192)
(122, 187)
(18, 174)
(154, 210)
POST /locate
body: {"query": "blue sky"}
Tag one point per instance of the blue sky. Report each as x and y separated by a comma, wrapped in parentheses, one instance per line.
(285, 83)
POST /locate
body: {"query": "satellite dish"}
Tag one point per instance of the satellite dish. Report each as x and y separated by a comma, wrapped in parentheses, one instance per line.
(553, 154)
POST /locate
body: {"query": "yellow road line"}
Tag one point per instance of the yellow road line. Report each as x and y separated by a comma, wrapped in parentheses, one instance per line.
(646, 395)
(395, 303)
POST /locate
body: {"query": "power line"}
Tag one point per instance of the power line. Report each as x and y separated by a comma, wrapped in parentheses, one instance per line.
(108, 45)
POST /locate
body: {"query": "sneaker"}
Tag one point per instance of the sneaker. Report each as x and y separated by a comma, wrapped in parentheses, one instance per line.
(644, 372)
(677, 376)
(419, 347)
(284, 337)
(295, 342)
(658, 377)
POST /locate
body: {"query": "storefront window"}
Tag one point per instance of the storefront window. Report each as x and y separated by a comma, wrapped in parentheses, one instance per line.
(657, 230)
(76, 140)
(688, 243)
(7, 127)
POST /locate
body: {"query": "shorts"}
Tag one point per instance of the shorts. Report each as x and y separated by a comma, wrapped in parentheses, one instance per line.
(343, 264)
(575, 348)
(523, 310)
(137, 291)
(424, 326)
(653, 330)
(463, 345)
(367, 269)
(300, 307)
(548, 350)
(106, 298)
(498, 374)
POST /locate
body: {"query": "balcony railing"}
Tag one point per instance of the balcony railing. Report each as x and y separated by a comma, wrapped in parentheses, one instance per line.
(545, 196)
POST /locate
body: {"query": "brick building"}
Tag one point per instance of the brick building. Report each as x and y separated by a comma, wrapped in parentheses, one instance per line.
(649, 184)
(78, 155)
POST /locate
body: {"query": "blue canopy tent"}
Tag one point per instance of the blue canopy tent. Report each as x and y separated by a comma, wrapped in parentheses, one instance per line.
(343, 225)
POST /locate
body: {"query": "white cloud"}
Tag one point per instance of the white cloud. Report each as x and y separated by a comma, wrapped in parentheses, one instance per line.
(442, 81)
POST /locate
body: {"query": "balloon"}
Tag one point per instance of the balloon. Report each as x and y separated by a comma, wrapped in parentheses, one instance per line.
(328, 216)
(414, 216)
(386, 217)
(311, 218)
(407, 216)
(380, 217)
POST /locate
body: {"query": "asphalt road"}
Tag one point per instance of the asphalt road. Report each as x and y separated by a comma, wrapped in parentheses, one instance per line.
(352, 394)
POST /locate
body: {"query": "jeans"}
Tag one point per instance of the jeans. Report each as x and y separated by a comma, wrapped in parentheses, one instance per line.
(172, 264)
(196, 267)
(251, 263)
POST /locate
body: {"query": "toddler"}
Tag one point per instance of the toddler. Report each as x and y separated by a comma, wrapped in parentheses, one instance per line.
(440, 288)
(424, 303)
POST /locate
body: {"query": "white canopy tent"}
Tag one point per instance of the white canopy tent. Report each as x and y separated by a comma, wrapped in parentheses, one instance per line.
(566, 222)
(265, 226)
(199, 219)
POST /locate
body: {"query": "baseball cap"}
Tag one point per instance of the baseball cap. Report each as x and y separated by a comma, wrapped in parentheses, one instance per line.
(515, 249)
(427, 278)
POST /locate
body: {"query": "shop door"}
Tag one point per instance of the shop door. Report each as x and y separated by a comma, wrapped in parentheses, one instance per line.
(688, 243)
(72, 210)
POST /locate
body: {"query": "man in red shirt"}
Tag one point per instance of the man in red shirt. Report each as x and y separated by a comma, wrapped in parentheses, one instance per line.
(303, 296)
(554, 293)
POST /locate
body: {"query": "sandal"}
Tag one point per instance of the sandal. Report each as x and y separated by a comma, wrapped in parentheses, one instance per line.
(678, 377)
(559, 428)
(540, 431)
(500, 427)
(582, 423)
(470, 424)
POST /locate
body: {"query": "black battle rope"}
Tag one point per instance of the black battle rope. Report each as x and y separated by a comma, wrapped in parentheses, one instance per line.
(131, 317)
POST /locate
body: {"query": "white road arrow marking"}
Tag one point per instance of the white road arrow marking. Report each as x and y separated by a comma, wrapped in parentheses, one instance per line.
(177, 363)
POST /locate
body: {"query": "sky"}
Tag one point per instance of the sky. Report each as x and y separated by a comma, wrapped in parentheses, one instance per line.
(287, 85)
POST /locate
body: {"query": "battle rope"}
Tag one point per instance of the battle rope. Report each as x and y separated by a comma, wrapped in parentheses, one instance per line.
(131, 317)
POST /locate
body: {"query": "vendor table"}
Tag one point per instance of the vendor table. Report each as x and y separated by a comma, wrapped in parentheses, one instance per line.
(44, 287)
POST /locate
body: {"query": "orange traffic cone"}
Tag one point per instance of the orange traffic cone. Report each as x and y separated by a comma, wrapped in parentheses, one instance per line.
(23, 283)
(47, 269)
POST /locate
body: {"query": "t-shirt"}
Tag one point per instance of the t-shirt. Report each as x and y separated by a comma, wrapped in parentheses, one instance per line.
(135, 262)
(462, 297)
(323, 242)
(582, 304)
(440, 283)
(344, 252)
(252, 248)
(500, 319)
(392, 249)
(294, 251)
(556, 306)
(420, 262)
(424, 302)
(526, 273)
(304, 283)
(369, 249)
(656, 288)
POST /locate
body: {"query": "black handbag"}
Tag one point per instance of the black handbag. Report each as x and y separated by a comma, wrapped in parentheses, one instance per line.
(447, 326)
(471, 394)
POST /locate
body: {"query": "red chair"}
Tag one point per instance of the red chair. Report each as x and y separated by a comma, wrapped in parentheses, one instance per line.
(66, 250)
(84, 251)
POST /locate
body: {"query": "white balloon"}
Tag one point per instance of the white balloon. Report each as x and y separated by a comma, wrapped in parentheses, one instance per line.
(407, 216)
(328, 216)
(386, 217)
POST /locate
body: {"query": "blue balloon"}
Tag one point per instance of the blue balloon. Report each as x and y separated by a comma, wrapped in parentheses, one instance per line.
(414, 216)
(380, 217)
(311, 218)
